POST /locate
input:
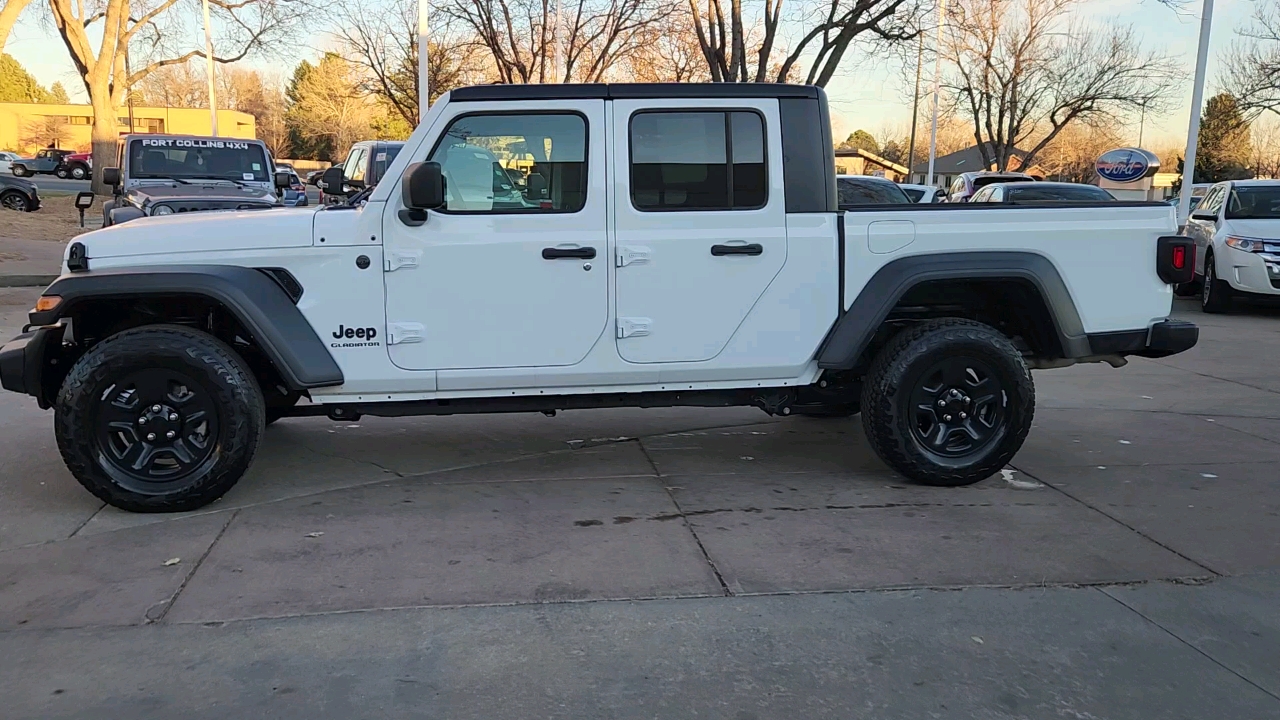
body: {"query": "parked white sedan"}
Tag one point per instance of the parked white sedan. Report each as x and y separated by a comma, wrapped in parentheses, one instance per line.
(923, 194)
(1237, 233)
(6, 162)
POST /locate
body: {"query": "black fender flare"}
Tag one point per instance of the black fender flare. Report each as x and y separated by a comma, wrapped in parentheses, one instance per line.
(123, 213)
(854, 329)
(255, 298)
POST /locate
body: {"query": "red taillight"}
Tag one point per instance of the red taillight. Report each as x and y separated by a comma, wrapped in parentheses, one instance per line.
(1179, 257)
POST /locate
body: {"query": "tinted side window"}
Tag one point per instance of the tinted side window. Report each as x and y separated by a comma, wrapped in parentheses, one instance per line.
(505, 163)
(703, 160)
(855, 191)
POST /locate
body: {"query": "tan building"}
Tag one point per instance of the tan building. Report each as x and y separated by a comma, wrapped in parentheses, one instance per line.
(856, 161)
(25, 127)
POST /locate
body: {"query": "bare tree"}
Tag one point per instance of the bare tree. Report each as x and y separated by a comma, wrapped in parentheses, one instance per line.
(100, 34)
(181, 86)
(382, 41)
(1021, 73)
(1252, 69)
(1265, 158)
(669, 52)
(826, 29)
(594, 36)
(9, 17)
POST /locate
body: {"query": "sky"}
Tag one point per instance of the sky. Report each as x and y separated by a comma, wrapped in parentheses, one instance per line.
(867, 93)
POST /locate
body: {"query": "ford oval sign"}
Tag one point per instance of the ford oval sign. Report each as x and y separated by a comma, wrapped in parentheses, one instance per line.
(1126, 165)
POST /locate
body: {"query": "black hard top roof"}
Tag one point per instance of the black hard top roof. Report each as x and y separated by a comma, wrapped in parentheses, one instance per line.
(616, 91)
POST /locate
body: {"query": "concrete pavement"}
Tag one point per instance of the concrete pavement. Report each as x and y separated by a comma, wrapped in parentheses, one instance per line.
(675, 563)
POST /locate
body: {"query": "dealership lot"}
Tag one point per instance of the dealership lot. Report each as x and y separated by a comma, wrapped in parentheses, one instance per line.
(690, 562)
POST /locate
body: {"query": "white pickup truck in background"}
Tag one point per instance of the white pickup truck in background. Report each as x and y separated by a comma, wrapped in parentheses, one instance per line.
(549, 247)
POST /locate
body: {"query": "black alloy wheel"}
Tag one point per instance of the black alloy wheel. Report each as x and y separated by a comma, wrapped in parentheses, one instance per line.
(948, 402)
(154, 429)
(14, 200)
(960, 407)
(160, 418)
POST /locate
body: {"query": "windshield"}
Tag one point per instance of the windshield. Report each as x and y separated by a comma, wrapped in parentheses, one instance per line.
(1254, 202)
(187, 158)
(1044, 193)
(856, 191)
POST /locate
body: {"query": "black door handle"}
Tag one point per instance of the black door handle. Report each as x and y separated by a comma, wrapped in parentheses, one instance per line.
(751, 249)
(551, 253)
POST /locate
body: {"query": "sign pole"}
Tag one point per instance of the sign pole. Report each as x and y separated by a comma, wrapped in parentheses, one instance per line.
(424, 79)
(937, 83)
(1193, 129)
(208, 56)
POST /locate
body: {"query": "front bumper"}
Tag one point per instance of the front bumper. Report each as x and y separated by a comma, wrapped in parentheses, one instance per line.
(1164, 338)
(1251, 273)
(22, 362)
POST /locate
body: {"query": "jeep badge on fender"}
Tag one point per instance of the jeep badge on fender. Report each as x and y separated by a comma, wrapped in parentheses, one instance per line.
(365, 335)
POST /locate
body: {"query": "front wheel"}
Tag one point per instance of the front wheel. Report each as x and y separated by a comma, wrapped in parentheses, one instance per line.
(14, 200)
(159, 419)
(20, 171)
(79, 172)
(948, 402)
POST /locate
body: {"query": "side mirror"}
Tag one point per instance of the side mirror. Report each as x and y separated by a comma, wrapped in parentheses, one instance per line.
(331, 181)
(283, 180)
(535, 186)
(111, 176)
(421, 189)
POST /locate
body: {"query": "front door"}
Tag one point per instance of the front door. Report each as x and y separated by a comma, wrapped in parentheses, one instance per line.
(1202, 229)
(701, 224)
(513, 271)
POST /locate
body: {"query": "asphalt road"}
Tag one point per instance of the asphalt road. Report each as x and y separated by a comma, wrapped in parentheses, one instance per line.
(683, 563)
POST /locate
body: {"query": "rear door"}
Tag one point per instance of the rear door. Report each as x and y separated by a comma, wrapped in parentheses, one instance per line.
(700, 223)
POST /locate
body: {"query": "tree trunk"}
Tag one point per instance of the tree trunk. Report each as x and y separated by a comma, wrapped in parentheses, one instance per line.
(8, 16)
(105, 136)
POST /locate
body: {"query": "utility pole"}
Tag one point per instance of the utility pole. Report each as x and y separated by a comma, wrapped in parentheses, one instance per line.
(1193, 129)
(424, 89)
(128, 90)
(1142, 123)
(915, 107)
(937, 83)
(208, 56)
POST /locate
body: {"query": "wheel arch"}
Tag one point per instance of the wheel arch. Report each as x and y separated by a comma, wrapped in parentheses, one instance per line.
(848, 343)
(254, 298)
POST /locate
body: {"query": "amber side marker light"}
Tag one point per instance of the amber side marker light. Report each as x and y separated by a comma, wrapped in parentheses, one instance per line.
(47, 302)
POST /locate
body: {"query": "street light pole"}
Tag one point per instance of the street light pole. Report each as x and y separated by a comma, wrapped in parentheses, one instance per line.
(1193, 130)
(915, 107)
(937, 83)
(424, 90)
(208, 57)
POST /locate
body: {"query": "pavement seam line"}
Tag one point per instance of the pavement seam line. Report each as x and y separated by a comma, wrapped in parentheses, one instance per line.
(87, 521)
(887, 589)
(203, 512)
(724, 586)
(168, 604)
(1180, 639)
(1215, 377)
(1118, 521)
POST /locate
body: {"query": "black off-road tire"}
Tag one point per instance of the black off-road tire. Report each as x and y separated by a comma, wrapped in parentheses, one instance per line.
(1215, 294)
(230, 395)
(892, 419)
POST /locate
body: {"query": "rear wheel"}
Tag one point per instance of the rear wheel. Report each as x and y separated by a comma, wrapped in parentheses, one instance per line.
(948, 402)
(62, 173)
(1215, 295)
(159, 419)
(14, 200)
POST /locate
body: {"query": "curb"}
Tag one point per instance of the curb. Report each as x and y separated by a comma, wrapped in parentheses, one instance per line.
(26, 280)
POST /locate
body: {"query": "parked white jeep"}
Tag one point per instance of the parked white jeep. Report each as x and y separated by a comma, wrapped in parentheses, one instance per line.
(547, 247)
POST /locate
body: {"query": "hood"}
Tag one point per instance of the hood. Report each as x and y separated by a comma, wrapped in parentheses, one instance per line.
(1261, 229)
(199, 191)
(202, 232)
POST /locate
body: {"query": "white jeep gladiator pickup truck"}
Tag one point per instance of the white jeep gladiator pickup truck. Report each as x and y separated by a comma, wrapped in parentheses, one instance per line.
(548, 247)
